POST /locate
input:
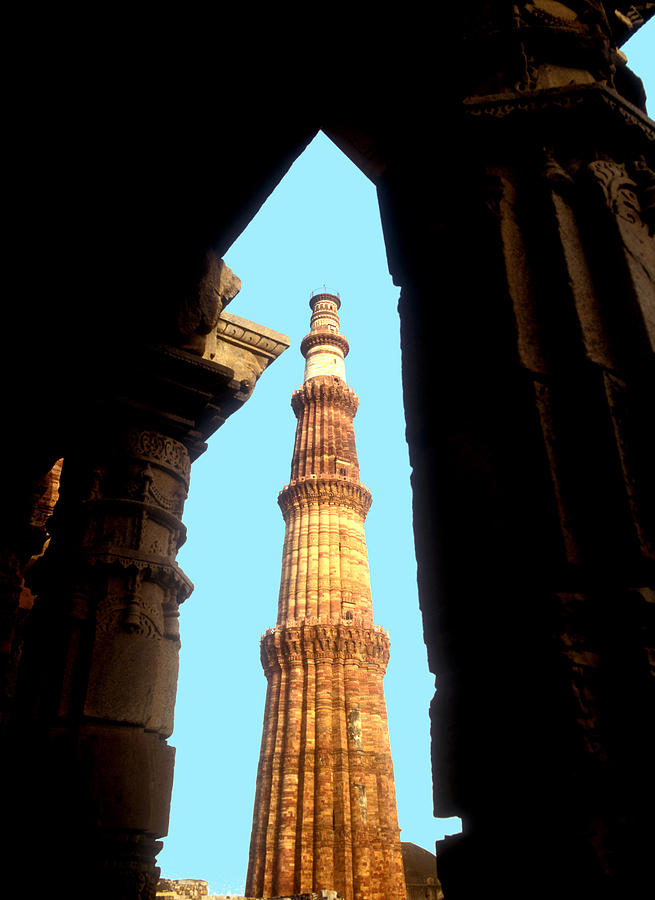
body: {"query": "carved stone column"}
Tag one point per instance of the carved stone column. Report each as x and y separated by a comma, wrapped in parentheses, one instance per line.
(95, 699)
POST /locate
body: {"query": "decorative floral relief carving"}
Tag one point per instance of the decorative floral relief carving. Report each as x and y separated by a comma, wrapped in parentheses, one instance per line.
(166, 575)
(174, 503)
(645, 180)
(573, 97)
(143, 486)
(155, 447)
(130, 612)
(619, 189)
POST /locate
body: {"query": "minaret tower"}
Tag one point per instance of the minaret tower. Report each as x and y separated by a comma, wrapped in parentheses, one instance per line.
(325, 805)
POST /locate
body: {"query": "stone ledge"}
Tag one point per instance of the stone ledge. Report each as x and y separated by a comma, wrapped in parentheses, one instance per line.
(245, 347)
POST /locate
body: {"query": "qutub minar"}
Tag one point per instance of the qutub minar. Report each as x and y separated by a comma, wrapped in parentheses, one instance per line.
(325, 805)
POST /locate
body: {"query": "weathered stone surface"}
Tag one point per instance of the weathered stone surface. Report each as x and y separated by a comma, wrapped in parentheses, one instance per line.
(245, 347)
(196, 889)
(182, 888)
(325, 807)
(216, 286)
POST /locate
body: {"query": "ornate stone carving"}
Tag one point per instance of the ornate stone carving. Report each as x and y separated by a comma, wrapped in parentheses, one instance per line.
(129, 871)
(570, 98)
(320, 338)
(131, 612)
(156, 447)
(644, 178)
(325, 390)
(336, 642)
(619, 189)
(332, 490)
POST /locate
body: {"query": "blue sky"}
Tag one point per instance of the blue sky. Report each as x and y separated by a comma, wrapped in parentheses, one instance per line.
(320, 227)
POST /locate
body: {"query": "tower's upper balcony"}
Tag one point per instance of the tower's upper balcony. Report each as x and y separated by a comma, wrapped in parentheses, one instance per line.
(324, 348)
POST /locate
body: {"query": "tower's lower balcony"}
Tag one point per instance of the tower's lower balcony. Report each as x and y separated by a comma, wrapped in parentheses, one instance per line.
(320, 639)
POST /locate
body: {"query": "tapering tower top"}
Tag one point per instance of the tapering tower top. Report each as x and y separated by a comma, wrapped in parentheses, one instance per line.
(324, 348)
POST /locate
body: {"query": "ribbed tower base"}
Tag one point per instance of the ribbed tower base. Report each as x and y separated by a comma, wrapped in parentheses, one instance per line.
(325, 806)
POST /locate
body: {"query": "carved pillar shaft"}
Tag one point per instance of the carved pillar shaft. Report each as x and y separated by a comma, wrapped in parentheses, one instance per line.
(96, 691)
(99, 676)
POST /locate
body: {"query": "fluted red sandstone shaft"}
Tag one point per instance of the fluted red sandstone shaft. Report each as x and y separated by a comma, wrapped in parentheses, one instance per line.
(325, 806)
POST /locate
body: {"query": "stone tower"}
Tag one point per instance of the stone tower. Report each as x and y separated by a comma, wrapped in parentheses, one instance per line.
(325, 805)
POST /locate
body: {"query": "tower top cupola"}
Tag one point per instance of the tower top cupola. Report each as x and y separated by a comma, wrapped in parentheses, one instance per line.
(324, 348)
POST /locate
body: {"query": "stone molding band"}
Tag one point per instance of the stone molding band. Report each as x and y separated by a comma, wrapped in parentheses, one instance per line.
(327, 390)
(160, 449)
(333, 490)
(499, 106)
(240, 331)
(283, 646)
(317, 338)
(323, 296)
